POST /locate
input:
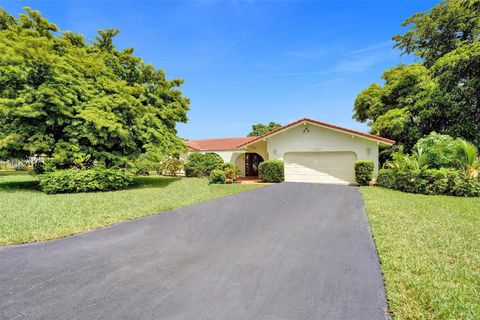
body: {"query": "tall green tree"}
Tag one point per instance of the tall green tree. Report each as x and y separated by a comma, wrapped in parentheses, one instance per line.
(441, 93)
(78, 103)
(399, 108)
(260, 128)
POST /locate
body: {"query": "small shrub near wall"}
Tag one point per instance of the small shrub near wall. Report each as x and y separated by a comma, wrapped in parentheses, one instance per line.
(364, 172)
(217, 177)
(271, 171)
(429, 181)
(86, 180)
(231, 171)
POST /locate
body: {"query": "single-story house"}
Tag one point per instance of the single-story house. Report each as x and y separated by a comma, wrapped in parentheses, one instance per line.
(312, 151)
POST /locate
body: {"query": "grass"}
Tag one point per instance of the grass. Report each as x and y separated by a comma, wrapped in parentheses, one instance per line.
(429, 248)
(28, 215)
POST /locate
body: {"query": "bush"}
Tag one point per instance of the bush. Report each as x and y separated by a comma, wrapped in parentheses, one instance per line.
(143, 166)
(468, 188)
(364, 172)
(387, 178)
(217, 177)
(231, 171)
(271, 171)
(429, 181)
(170, 166)
(440, 150)
(202, 164)
(87, 180)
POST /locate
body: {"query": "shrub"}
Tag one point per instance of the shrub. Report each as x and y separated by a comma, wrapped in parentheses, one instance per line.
(467, 188)
(86, 180)
(387, 178)
(142, 166)
(217, 177)
(364, 172)
(202, 164)
(440, 150)
(271, 171)
(231, 170)
(170, 166)
(429, 181)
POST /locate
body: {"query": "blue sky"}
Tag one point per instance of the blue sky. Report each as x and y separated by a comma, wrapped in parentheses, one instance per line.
(246, 62)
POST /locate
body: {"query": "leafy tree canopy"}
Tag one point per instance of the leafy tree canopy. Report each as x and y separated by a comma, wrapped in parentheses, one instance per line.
(444, 28)
(80, 103)
(439, 94)
(260, 129)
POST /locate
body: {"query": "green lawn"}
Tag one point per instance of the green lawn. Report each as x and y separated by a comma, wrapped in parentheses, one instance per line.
(28, 215)
(429, 247)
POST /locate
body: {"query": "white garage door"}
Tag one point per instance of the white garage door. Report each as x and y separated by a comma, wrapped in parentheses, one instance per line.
(322, 167)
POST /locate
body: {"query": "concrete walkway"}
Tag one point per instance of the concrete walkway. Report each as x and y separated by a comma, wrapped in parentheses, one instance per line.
(286, 251)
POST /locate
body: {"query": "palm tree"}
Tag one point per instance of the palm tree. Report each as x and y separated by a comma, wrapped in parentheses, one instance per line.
(470, 158)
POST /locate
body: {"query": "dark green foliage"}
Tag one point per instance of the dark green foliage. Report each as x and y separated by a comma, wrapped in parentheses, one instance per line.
(271, 171)
(217, 177)
(387, 178)
(468, 188)
(364, 172)
(79, 104)
(260, 128)
(440, 94)
(86, 180)
(202, 164)
(440, 30)
(429, 181)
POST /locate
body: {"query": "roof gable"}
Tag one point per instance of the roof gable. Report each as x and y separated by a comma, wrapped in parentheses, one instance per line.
(325, 125)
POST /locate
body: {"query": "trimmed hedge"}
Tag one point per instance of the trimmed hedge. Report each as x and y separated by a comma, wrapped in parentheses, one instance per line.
(217, 177)
(364, 172)
(429, 181)
(88, 180)
(271, 171)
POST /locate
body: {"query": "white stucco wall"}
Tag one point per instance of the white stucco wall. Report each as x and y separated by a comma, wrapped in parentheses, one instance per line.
(315, 138)
(234, 156)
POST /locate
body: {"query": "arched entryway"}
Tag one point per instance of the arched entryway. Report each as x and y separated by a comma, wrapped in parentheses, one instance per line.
(252, 160)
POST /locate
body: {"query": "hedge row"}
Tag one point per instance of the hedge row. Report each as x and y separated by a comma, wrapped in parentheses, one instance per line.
(430, 181)
(87, 180)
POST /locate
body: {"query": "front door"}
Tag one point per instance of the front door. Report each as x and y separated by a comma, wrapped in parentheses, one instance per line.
(252, 160)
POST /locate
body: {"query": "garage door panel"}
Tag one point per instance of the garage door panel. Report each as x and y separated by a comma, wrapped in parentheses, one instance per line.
(323, 167)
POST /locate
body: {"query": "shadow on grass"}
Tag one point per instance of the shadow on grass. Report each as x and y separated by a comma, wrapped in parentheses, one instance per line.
(14, 173)
(12, 186)
(153, 182)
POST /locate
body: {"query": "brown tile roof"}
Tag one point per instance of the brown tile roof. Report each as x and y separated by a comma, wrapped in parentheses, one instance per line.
(235, 143)
(217, 144)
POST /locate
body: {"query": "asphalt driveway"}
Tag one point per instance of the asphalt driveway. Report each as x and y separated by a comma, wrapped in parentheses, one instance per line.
(288, 251)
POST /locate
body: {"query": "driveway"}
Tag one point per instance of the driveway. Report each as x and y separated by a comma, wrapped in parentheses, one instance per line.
(287, 251)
